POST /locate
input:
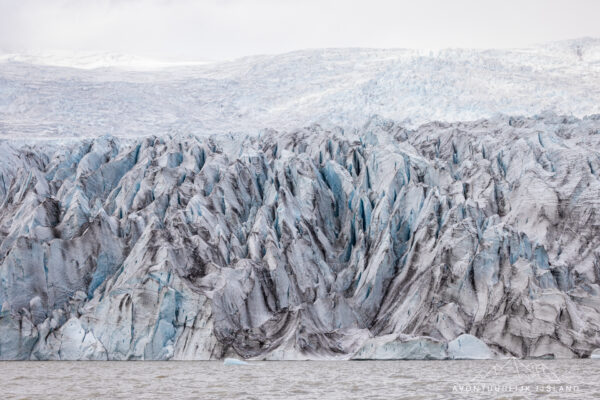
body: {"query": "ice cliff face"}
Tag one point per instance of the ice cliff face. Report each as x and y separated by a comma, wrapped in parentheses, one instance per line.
(453, 240)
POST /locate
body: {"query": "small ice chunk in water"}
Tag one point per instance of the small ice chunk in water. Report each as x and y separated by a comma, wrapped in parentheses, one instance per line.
(468, 347)
(234, 361)
(595, 354)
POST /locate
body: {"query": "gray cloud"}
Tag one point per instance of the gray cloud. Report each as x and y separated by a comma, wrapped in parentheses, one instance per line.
(212, 29)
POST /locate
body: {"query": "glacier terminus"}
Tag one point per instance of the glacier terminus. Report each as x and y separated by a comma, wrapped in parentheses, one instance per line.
(343, 204)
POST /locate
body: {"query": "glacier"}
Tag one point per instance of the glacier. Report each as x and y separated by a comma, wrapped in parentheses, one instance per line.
(448, 240)
(49, 97)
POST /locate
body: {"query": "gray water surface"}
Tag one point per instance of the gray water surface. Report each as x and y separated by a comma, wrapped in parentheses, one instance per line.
(552, 379)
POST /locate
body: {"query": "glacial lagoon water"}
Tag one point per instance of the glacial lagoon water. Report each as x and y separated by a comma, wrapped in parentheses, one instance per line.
(551, 379)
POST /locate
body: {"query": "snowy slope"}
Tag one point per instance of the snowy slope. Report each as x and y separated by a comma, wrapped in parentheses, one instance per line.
(332, 87)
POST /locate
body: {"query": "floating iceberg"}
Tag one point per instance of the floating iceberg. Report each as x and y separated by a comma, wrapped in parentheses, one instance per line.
(234, 361)
(468, 347)
(406, 348)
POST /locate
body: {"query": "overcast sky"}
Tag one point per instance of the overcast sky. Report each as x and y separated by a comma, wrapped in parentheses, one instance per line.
(221, 29)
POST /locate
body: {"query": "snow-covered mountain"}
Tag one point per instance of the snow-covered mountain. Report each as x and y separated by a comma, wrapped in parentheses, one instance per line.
(211, 224)
(330, 87)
